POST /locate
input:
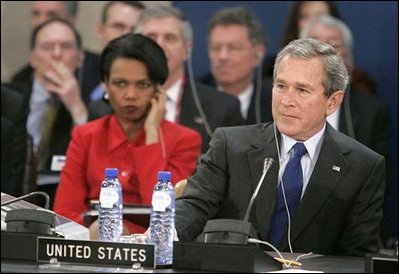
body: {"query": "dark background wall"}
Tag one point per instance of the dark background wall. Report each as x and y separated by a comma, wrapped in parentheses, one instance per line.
(375, 30)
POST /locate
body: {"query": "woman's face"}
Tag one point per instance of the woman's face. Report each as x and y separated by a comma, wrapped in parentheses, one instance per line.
(309, 10)
(130, 89)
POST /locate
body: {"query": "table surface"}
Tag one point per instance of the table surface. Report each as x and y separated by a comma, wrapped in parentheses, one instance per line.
(313, 262)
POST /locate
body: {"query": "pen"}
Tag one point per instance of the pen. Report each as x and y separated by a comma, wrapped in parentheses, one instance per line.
(288, 262)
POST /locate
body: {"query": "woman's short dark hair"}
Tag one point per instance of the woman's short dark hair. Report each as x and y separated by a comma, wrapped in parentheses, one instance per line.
(140, 48)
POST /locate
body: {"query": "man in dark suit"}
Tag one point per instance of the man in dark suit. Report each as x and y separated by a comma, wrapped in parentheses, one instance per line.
(335, 197)
(41, 11)
(363, 116)
(13, 142)
(171, 30)
(236, 46)
(56, 102)
(369, 119)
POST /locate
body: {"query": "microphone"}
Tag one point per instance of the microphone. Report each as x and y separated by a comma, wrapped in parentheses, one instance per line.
(28, 220)
(231, 231)
(44, 194)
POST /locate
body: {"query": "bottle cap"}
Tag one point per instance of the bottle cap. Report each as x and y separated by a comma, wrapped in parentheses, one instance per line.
(164, 176)
(111, 172)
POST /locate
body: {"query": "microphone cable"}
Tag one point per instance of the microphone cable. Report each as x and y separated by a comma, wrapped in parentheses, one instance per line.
(287, 263)
(44, 194)
(196, 96)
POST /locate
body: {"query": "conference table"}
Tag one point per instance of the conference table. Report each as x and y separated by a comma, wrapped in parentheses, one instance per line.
(313, 262)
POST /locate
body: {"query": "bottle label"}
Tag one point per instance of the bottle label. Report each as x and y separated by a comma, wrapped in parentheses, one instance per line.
(108, 197)
(160, 201)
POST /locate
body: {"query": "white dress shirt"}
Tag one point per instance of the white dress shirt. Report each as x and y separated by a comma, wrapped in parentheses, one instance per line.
(174, 94)
(333, 118)
(245, 99)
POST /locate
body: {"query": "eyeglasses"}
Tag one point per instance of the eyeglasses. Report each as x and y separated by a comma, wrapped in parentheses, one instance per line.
(335, 43)
(50, 46)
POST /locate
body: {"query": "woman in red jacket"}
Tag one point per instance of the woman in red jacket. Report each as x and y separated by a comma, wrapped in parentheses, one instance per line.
(135, 139)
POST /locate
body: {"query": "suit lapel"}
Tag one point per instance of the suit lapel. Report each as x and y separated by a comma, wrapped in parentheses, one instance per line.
(264, 146)
(329, 171)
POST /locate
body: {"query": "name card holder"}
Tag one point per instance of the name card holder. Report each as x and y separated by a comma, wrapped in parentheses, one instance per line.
(95, 252)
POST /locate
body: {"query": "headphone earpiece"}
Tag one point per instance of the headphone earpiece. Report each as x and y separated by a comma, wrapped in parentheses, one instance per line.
(258, 55)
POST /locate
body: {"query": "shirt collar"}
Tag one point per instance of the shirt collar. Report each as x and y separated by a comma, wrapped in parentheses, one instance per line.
(173, 92)
(311, 144)
(117, 137)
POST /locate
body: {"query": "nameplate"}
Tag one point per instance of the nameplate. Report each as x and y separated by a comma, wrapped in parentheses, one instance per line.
(95, 252)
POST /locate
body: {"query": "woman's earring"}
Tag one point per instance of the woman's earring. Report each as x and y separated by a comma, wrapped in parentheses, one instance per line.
(106, 96)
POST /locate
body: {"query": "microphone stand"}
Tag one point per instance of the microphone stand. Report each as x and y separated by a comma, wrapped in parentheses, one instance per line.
(231, 231)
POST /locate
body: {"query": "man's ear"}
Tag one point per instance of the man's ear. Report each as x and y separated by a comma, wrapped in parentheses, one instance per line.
(260, 52)
(80, 58)
(100, 31)
(189, 48)
(32, 60)
(334, 101)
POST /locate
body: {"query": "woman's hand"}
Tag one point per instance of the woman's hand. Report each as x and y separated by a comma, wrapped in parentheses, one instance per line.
(155, 116)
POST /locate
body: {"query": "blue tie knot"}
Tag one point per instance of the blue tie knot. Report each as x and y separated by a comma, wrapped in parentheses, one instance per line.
(299, 150)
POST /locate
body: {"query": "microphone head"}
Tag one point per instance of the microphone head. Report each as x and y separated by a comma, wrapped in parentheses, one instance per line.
(267, 164)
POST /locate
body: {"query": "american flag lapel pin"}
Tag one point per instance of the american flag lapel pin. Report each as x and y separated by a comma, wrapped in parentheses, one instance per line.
(336, 168)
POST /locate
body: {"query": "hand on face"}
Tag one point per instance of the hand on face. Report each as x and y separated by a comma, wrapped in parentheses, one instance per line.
(157, 111)
(59, 79)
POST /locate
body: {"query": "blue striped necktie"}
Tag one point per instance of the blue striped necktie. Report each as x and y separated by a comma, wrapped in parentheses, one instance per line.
(293, 183)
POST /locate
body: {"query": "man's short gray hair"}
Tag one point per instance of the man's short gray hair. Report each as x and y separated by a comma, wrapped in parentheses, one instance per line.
(336, 75)
(164, 11)
(332, 22)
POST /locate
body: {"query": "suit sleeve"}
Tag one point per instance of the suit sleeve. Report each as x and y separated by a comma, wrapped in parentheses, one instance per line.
(204, 191)
(361, 233)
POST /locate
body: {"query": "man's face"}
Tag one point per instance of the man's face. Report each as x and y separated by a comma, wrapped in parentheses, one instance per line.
(232, 55)
(332, 36)
(299, 105)
(55, 43)
(120, 19)
(42, 11)
(167, 32)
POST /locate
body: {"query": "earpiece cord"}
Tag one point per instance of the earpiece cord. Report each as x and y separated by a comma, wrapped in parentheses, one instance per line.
(282, 188)
(161, 140)
(195, 95)
(258, 93)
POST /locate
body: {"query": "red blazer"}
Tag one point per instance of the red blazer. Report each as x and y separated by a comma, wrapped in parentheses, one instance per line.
(102, 143)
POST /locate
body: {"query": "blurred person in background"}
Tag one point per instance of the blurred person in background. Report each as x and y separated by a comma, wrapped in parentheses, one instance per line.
(236, 46)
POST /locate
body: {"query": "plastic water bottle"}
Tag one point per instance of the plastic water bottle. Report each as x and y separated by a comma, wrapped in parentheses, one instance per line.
(110, 214)
(163, 219)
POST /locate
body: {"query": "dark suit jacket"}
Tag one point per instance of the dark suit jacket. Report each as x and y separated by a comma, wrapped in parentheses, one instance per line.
(13, 141)
(340, 211)
(62, 127)
(221, 110)
(265, 100)
(371, 122)
(88, 75)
